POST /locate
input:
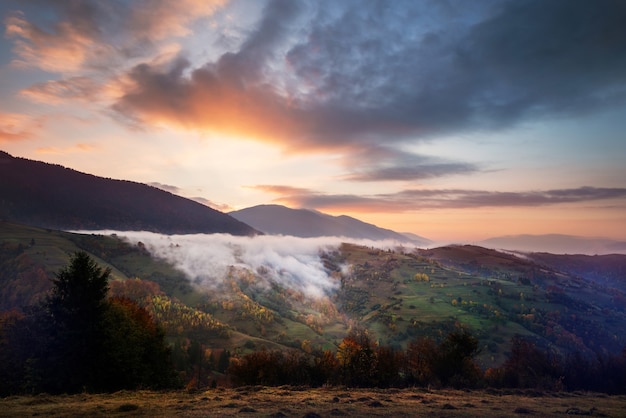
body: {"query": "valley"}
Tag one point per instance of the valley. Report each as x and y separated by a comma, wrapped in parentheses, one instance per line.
(398, 294)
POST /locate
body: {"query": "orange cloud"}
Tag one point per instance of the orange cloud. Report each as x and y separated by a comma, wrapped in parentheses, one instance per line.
(56, 91)
(17, 127)
(100, 35)
(80, 147)
(280, 189)
(207, 102)
(65, 49)
(159, 19)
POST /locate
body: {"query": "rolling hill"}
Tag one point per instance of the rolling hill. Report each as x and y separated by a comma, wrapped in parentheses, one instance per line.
(281, 220)
(51, 196)
(399, 296)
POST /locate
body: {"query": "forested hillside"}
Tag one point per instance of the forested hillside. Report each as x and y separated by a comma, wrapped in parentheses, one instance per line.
(383, 299)
(52, 196)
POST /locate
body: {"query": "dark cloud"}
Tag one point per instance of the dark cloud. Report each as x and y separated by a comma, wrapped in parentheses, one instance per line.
(388, 164)
(362, 74)
(410, 200)
(350, 76)
(528, 57)
(554, 57)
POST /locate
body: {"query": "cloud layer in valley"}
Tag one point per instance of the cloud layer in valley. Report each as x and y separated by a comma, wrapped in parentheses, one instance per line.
(205, 259)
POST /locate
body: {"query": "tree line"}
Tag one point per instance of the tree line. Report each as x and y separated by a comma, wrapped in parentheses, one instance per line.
(79, 338)
(359, 362)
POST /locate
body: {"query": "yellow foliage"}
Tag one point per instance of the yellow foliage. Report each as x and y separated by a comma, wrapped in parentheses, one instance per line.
(422, 277)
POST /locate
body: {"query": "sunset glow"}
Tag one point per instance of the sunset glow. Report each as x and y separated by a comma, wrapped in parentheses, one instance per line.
(454, 120)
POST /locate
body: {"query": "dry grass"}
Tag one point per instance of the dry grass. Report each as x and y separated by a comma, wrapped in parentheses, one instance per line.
(305, 402)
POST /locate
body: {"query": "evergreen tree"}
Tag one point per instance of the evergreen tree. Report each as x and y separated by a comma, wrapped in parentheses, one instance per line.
(77, 339)
(76, 307)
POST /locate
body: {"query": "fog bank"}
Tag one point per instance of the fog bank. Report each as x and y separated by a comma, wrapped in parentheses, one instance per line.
(206, 258)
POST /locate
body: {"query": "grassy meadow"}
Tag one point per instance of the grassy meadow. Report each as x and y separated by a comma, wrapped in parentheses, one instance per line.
(305, 402)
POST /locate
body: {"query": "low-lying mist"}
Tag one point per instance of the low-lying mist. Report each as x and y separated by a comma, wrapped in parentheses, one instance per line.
(206, 259)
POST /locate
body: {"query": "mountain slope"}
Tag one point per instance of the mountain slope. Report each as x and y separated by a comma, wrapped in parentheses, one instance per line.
(280, 220)
(398, 296)
(609, 269)
(52, 196)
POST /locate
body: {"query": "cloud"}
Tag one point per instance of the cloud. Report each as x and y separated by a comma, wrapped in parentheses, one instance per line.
(162, 96)
(56, 91)
(100, 35)
(386, 164)
(280, 189)
(227, 96)
(556, 58)
(359, 79)
(66, 47)
(17, 127)
(91, 43)
(163, 18)
(413, 199)
(80, 147)
(206, 259)
(353, 76)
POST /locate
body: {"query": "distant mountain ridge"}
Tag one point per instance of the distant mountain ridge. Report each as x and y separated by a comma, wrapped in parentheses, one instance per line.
(556, 244)
(281, 220)
(52, 196)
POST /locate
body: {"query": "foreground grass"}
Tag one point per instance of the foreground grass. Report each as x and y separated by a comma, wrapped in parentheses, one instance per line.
(305, 402)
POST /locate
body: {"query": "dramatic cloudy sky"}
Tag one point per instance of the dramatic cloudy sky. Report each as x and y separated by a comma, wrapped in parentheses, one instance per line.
(450, 119)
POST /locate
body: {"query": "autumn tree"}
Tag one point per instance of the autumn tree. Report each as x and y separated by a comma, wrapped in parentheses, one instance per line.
(420, 360)
(134, 353)
(78, 340)
(357, 359)
(529, 366)
(454, 362)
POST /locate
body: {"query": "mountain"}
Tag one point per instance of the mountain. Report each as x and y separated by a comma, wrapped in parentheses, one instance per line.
(416, 238)
(281, 220)
(556, 244)
(397, 295)
(52, 196)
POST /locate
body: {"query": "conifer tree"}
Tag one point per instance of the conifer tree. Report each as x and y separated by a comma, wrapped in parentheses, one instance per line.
(76, 307)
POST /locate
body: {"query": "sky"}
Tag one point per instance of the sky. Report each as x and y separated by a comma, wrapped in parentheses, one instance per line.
(454, 120)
